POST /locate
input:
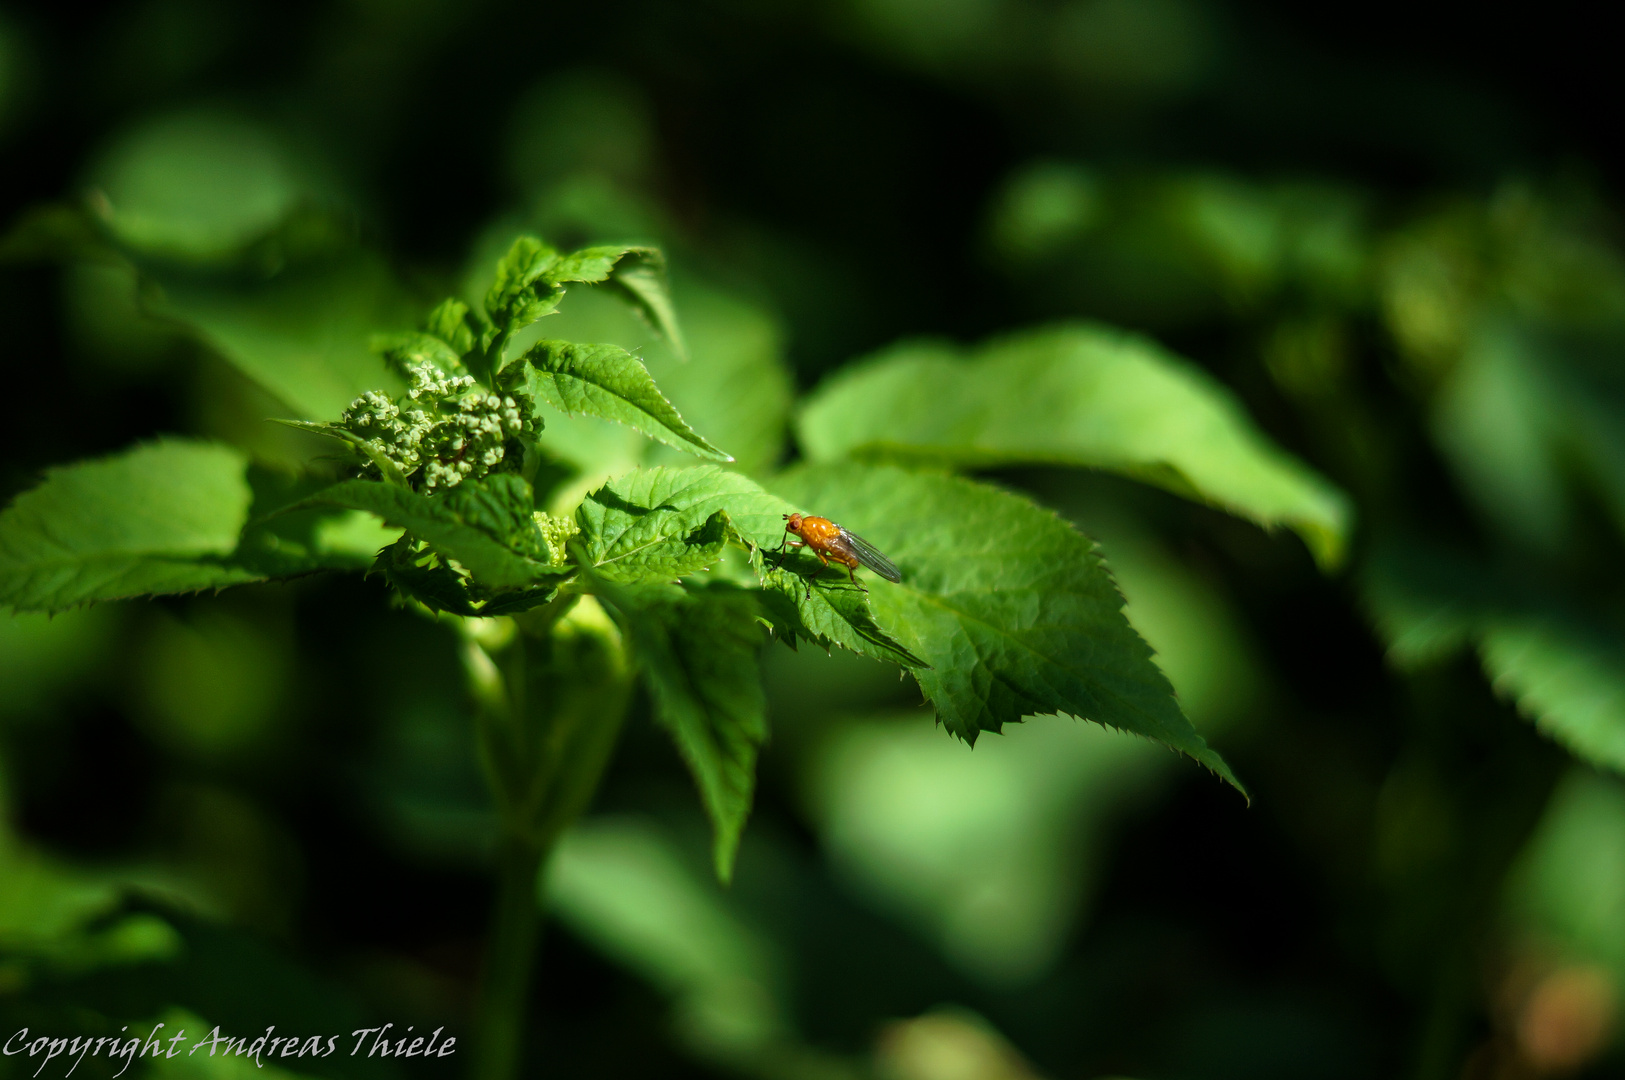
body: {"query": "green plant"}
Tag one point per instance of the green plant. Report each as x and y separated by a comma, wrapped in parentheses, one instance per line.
(442, 474)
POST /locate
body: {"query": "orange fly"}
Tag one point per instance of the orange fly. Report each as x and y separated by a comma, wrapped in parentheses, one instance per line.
(831, 541)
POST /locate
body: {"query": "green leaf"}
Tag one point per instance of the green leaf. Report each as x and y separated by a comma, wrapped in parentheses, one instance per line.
(163, 517)
(608, 382)
(737, 388)
(649, 508)
(666, 558)
(72, 920)
(450, 322)
(305, 335)
(643, 282)
(422, 576)
(699, 652)
(595, 264)
(521, 293)
(279, 543)
(1427, 605)
(637, 273)
(486, 525)
(362, 448)
(830, 612)
(516, 601)
(1569, 682)
(1073, 395)
(168, 517)
(625, 885)
(1013, 608)
(199, 185)
(56, 231)
(1564, 675)
(302, 332)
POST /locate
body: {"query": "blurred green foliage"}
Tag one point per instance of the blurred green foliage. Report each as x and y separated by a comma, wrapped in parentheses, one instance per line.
(1393, 252)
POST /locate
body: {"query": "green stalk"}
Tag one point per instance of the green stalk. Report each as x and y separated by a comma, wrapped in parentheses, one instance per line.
(550, 709)
(510, 951)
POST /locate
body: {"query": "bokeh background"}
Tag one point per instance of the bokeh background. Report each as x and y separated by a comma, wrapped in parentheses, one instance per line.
(1390, 229)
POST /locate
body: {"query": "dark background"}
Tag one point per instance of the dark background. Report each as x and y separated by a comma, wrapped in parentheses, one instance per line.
(839, 169)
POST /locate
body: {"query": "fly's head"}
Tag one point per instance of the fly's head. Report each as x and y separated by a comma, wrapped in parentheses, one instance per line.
(792, 523)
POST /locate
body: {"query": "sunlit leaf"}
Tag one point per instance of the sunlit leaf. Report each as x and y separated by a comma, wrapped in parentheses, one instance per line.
(485, 525)
(169, 517)
(1073, 395)
(668, 557)
(1013, 608)
(826, 609)
(639, 273)
(650, 505)
(736, 387)
(1570, 683)
(450, 322)
(521, 293)
(608, 382)
(595, 264)
(163, 517)
(650, 509)
(698, 650)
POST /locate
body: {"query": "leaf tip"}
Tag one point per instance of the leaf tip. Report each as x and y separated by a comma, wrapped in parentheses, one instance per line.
(1328, 543)
(1218, 767)
(702, 449)
(724, 853)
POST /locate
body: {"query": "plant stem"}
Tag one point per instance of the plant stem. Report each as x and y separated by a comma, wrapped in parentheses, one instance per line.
(550, 706)
(509, 956)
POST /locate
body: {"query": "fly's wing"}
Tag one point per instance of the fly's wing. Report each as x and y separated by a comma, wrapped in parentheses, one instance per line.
(868, 556)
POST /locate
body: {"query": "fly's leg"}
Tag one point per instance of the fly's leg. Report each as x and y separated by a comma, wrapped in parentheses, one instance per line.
(821, 558)
(786, 540)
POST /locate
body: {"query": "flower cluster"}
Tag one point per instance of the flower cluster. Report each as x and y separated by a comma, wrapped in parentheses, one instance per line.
(444, 430)
(556, 533)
